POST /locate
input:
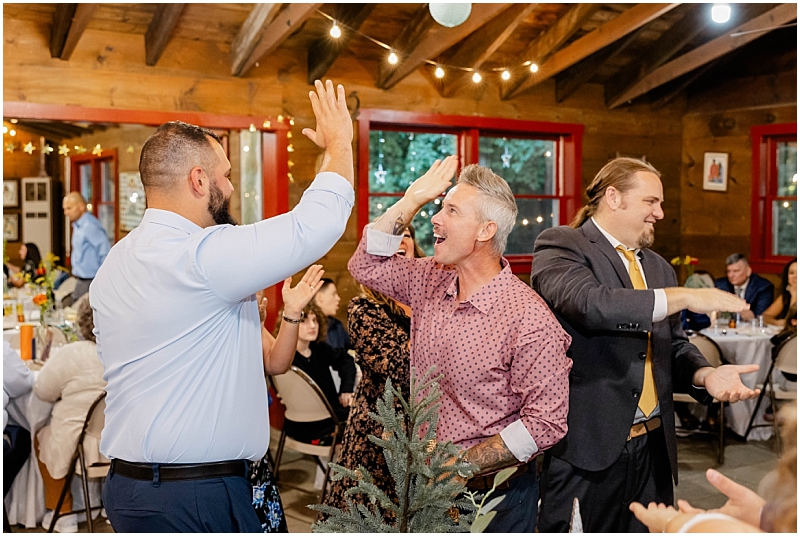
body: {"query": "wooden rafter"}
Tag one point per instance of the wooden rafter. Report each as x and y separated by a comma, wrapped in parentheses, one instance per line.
(424, 39)
(480, 46)
(548, 42)
(708, 52)
(568, 81)
(69, 22)
(324, 52)
(627, 22)
(266, 32)
(160, 30)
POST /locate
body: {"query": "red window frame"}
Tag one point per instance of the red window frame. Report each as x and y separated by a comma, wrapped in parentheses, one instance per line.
(568, 137)
(108, 155)
(765, 139)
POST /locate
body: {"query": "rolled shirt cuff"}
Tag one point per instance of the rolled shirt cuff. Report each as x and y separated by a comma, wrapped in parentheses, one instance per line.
(519, 441)
(382, 244)
(660, 305)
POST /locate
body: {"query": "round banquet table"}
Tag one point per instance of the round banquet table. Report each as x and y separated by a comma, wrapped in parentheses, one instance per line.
(745, 346)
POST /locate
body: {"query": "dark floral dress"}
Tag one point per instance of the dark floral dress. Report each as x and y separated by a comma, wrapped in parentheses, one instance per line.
(266, 500)
(380, 340)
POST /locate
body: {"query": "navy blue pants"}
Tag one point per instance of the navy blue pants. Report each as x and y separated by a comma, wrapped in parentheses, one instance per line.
(16, 449)
(209, 505)
(517, 511)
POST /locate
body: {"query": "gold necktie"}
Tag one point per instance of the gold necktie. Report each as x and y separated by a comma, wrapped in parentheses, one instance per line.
(649, 398)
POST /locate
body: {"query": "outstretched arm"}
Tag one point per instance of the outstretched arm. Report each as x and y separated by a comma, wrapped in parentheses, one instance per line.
(334, 130)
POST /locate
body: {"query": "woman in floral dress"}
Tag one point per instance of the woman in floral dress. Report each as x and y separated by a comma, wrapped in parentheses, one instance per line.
(379, 330)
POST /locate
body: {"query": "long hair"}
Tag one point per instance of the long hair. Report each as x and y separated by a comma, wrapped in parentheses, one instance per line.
(618, 173)
(785, 294)
(383, 299)
(33, 254)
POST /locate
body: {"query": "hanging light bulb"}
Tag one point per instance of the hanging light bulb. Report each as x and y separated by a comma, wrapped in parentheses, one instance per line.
(477, 77)
(721, 13)
(392, 59)
(506, 75)
(336, 32)
(439, 72)
(534, 67)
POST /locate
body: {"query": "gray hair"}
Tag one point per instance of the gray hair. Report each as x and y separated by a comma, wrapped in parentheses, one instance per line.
(736, 257)
(171, 152)
(495, 202)
(85, 318)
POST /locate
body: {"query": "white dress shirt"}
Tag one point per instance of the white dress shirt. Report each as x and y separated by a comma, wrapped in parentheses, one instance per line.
(17, 378)
(178, 330)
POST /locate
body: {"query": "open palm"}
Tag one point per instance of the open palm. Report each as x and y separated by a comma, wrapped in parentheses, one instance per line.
(725, 383)
(296, 298)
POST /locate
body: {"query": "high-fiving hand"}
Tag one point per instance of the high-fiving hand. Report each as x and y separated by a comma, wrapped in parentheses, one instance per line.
(296, 298)
(334, 124)
(434, 182)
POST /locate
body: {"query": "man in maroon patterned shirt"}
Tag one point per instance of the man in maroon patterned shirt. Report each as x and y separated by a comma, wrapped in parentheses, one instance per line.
(502, 352)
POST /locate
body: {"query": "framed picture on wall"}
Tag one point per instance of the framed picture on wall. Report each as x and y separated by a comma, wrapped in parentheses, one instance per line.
(10, 193)
(11, 227)
(715, 172)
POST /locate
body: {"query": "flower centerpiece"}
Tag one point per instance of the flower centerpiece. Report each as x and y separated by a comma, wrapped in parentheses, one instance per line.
(688, 262)
(45, 280)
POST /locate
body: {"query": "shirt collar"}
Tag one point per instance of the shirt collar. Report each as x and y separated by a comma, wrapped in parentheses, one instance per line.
(485, 298)
(614, 242)
(84, 219)
(170, 219)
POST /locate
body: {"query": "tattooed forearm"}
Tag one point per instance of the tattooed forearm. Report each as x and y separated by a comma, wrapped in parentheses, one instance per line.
(491, 455)
(399, 225)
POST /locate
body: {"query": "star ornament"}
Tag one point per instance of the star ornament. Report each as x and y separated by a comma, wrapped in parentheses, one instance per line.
(80, 149)
(47, 149)
(380, 175)
(63, 150)
(129, 149)
(29, 148)
(97, 151)
(10, 147)
(506, 158)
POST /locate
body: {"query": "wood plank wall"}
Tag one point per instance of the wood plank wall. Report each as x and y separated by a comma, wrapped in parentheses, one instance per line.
(108, 70)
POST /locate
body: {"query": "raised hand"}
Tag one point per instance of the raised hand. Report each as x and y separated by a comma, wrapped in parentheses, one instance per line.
(724, 382)
(296, 298)
(434, 182)
(334, 125)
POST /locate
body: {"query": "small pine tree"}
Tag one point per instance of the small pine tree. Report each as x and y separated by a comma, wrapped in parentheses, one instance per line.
(431, 498)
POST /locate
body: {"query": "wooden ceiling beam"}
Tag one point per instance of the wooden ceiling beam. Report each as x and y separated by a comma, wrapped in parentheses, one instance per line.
(424, 39)
(323, 53)
(626, 23)
(548, 42)
(479, 47)
(568, 81)
(265, 29)
(160, 30)
(708, 52)
(69, 23)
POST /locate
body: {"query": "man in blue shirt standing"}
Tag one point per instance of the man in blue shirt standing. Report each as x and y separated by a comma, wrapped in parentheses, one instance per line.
(178, 328)
(90, 243)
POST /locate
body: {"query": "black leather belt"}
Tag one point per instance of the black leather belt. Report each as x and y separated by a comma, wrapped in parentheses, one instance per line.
(83, 278)
(480, 483)
(179, 471)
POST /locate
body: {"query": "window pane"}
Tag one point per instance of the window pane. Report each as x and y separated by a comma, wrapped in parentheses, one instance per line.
(787, 168)
(251, 185)
(398, 158)
(527, 165)
(86, 182)
(423, 228)
(784, 228)
(535, 215)
(107, 181)
(105, 213)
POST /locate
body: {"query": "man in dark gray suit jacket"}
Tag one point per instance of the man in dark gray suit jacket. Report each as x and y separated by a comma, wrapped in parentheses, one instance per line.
(621, 304)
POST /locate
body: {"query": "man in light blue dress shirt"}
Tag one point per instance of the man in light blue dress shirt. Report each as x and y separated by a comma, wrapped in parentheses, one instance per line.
(90, 243)
(178, 327)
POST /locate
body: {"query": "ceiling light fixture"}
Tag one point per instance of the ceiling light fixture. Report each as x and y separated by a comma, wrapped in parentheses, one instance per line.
(439, 72)
(392, 59)
(721, 13)
(450, 15)
(477, 78)
(534, 67)
(336, 32)
(506, 75)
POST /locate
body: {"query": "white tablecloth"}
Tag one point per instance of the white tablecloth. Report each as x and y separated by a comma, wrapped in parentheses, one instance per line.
(25, 500)
(744, 347)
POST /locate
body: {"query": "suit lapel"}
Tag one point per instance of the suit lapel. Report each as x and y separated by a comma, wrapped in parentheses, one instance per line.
(651, 273)
(597, 238)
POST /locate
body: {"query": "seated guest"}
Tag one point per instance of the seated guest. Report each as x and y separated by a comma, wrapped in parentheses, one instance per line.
(788, 331)
(31, 258)
(777, 312)
(327, 299)
(752, 288)
(315, 357)
(17, 381)
(73, 379)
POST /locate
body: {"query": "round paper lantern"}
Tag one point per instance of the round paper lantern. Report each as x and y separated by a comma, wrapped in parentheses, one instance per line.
(450, 15)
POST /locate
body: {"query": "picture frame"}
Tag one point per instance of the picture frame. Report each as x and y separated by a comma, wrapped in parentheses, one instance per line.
(715, 172)
(11, 227)
(10, 193)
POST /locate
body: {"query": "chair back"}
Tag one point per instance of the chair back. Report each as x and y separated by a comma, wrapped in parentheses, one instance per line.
(303, 398)
(786, 359)
(710, 349)
(97, 465)
(95, 418)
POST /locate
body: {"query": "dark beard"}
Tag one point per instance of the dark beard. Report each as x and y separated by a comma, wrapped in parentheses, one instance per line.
(646, 240)
(218, 207)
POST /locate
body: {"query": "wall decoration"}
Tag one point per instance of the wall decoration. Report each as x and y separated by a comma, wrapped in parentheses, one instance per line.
(11, 227)
(10, 193)
(131, 200)
(715, 172)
